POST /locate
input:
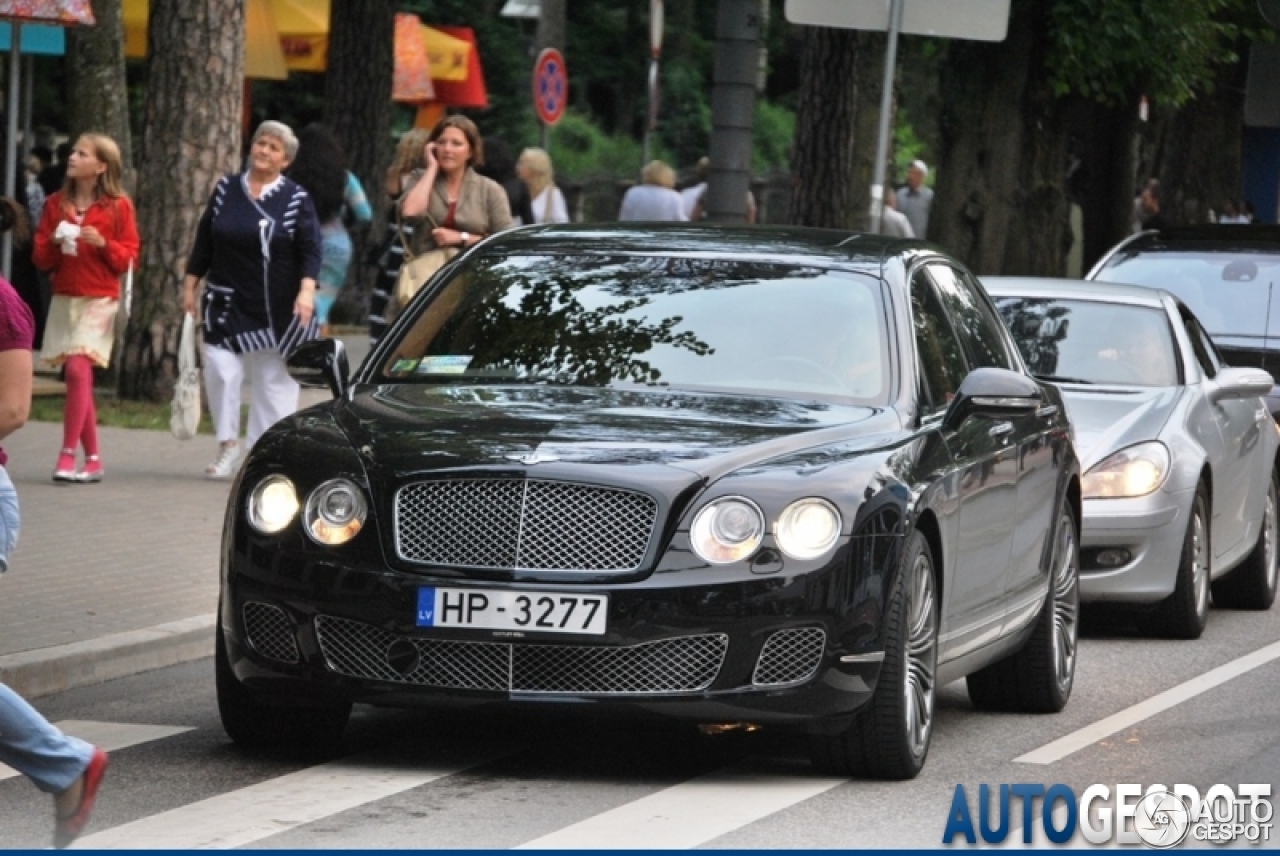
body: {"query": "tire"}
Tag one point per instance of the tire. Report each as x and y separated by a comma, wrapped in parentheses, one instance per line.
(1253, 584)
(1038, 678)
(889, 738)
(256, 724)
(1183, 614)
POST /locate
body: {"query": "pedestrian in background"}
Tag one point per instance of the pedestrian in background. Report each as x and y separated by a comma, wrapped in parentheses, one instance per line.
(892, 221)
(501, 167)
(257, 247)
(66, 767)
(915, 200)
(410, 155)
(87, 239)
(535, 170)
(460, 206)
(655, 197)
(321, 169)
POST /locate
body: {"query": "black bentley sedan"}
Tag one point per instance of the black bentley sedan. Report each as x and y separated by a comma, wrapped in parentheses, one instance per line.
(795, 478)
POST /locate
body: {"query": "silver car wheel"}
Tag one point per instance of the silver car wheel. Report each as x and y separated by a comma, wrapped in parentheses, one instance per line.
(922, 655)
(1066, 603)
(1270, 535)
(1200, 558)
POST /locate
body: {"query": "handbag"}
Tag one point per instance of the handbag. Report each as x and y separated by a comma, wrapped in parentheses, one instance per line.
(184, 412)
(416, 270)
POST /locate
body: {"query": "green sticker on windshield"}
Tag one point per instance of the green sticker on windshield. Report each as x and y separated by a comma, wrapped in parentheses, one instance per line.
(403, 366)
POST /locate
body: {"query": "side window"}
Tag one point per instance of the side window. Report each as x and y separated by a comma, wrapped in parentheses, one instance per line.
(1206, 356)
(979, 328)
(942, 360)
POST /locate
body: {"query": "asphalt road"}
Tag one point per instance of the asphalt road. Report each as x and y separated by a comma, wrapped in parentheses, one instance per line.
(1144, 711)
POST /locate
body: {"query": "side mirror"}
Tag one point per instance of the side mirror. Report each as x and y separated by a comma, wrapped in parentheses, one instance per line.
(1240, 383)
(994, 394)
(320, 363)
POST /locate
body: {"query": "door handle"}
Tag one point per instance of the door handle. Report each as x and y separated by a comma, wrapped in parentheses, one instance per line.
(1048, 411)
(1000, 429)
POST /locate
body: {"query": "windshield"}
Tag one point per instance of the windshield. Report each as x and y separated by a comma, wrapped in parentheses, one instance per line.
(605, 321)
(1092, 342)
(1231, 293)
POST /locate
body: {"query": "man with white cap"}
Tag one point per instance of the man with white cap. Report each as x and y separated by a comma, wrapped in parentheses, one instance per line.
(915, 200)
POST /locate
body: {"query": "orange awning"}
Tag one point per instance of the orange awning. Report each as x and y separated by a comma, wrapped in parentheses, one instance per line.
(412, 80)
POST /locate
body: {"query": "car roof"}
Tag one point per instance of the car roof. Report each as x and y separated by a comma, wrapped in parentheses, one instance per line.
(1074, 289)
(793, 244)
(1211, 236)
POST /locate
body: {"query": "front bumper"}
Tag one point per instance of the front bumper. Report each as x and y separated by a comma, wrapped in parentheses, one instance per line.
(779, 649)
(1150, 530)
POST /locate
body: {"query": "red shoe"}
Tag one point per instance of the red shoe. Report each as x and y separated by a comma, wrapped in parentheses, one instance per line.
(68, 828)
(65, 469)
(92, 471)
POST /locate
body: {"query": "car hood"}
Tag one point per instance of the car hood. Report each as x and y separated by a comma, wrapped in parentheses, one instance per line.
(1105, 421)
(408, 428)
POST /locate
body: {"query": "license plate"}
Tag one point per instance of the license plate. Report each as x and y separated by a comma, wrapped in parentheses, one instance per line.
(527, 611)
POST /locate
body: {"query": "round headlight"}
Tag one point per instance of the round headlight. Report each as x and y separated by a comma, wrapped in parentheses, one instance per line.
(727, 530)
(272, 504)
(1135, 471)
(808, 528)
(335, 512)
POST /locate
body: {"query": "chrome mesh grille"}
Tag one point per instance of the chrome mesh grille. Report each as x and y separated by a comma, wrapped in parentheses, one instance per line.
(523, 524)
(789, 656)
(270, 632)
(681, 665)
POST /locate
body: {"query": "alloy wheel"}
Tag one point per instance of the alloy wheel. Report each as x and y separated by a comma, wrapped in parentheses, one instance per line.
(1066, 603)
(922, 655)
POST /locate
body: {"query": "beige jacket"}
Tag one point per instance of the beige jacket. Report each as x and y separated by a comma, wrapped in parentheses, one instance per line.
(482, 209)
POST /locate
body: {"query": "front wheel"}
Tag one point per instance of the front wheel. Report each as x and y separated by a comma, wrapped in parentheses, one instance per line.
(889, 738)
(1253, 584)
(252, 722)
(1183, 614)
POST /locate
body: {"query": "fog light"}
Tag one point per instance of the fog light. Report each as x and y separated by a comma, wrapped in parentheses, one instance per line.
(1112, 558)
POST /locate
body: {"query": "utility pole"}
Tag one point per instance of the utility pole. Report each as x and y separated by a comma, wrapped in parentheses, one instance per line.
(551, 27)
(733, 102)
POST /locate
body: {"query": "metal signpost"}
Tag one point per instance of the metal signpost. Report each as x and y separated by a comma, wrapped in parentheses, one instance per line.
(979, 20)
(550, 89)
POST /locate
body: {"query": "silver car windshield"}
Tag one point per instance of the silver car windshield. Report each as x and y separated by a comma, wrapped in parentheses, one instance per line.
(610, 321)
(1231, 293)
(1092, 342)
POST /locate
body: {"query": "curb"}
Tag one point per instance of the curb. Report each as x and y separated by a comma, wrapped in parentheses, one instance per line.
(53, 670)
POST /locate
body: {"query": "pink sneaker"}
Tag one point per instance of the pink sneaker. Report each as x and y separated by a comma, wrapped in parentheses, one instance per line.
(92, 472)
(65, 469)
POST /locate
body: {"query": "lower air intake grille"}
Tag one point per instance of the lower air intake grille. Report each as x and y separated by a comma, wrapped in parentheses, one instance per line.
(789, 657)
(682, 665)
(270, 632)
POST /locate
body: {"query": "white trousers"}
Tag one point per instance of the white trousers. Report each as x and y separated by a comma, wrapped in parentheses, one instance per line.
(273, 395)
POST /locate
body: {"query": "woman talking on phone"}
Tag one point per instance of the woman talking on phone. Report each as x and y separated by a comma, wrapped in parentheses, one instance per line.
(460, 205)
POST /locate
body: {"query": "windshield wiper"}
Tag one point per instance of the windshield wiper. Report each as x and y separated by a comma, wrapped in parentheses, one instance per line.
(1061, 379)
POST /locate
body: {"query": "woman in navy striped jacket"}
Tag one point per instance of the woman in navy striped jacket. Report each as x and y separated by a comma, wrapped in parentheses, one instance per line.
(258, 249)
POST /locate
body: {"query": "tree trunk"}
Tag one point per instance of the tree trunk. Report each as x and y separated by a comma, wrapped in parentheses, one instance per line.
(1000, 203)
(191, 132)
(822, 162)
(866, 125)
(1105, 143)
(357, 95)
(97, 96)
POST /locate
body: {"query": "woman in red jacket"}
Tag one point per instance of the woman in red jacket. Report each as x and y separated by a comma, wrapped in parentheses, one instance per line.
(87, 238)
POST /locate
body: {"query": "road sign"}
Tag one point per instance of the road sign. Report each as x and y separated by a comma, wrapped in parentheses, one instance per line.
(980, 20)
(550, 86)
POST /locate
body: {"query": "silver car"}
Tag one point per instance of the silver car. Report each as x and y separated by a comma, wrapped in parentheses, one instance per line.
(1178, 450)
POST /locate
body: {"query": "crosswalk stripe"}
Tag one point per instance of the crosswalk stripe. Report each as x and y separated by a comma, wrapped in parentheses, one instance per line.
(691, 813)
(109, 735)
(268, 808)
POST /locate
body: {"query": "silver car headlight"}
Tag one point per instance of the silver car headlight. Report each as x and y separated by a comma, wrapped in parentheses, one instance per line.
(727, 530)
(1135, 471)
(808, 528)
(335, 512)
(272, 504)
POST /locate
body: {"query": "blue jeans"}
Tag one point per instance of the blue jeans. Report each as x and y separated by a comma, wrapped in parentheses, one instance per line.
(28, 742)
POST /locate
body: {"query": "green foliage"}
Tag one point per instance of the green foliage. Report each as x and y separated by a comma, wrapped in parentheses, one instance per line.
(581, 149)
(771, 138)
(115, 413)
(1110, 50)
(907, 146)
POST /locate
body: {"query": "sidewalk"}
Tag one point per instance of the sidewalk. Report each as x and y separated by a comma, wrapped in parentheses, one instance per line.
(119, 577)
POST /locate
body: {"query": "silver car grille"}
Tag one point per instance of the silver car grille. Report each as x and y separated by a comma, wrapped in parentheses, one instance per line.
(789, 657)
(684, 664)
(523, 524)
(270, 632)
